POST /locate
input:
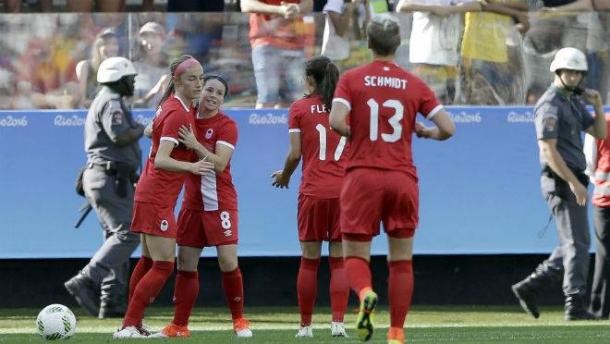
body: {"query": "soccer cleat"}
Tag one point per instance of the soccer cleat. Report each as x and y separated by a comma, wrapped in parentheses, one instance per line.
(337, 329)
(241, 327)
(130, 332)
(172, 330)
(396, 335)
(305, 332)
(84, 291)
(364, 322)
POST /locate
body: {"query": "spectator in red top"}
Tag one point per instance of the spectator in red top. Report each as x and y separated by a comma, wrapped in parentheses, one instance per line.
(277, 38)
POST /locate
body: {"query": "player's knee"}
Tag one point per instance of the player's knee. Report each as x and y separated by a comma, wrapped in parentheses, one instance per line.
(311, 250)
(187, 263)
(227, 262)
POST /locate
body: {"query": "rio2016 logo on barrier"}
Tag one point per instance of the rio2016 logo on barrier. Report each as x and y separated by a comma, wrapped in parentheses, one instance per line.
(71, 121)
(267, 119)
(465, 117)
(10, 121)
(520, 117)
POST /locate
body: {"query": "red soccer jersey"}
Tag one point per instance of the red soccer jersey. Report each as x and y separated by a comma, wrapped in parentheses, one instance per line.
(213, 190)
(384, 100)
(321, 147)
(156, 185)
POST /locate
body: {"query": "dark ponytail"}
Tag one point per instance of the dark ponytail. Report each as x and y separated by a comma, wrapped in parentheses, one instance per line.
(172, 68)
(325, 74)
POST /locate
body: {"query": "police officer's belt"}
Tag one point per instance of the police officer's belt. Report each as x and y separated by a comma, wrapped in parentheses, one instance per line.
(125, 175)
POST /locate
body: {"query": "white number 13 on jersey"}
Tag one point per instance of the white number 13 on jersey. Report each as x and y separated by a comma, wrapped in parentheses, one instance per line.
(394, 120)
(322, 131)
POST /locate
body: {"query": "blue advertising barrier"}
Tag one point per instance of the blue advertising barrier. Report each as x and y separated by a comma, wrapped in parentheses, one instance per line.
(479, 191)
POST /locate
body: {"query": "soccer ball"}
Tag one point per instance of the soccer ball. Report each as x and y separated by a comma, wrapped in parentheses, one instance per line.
(56, 322)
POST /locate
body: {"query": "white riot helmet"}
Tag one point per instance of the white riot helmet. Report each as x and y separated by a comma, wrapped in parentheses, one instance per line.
(569, 58)
(114, 68)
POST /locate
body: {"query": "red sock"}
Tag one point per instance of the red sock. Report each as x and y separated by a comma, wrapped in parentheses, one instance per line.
(358, 273)
(142, 267)
(400, 291)
(146, 291)
(339, 288)
(186, 290)
(307, 288)
(233, 285)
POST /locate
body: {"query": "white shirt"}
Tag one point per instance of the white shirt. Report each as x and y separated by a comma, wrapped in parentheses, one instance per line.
(434, 39)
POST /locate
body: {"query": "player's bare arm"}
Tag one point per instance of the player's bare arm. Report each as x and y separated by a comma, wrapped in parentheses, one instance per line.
(548, 149)
(598, 129)
(337, 118)
(444, 127)
(281, 178)
(164, 161)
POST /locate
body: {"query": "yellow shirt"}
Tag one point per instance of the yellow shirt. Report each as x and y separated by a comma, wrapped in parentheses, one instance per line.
(485, 36)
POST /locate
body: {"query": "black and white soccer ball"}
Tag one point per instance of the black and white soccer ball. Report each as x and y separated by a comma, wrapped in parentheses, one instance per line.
(56, 322)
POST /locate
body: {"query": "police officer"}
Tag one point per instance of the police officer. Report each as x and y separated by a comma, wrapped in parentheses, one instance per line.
(113, 156)
(560, 117)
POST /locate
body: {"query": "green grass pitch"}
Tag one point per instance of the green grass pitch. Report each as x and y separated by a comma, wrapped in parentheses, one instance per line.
(426, 324)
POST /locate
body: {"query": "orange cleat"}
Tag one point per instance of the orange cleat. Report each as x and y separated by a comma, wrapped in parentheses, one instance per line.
(396, 335)
(241, 327)
(172, 330)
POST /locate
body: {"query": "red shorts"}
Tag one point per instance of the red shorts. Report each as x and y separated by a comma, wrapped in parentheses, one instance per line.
(198, 228)
(371, 196)
(318, 219)
(154, 219)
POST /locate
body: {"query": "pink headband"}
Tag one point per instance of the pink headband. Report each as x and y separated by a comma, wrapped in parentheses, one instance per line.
(186, 64)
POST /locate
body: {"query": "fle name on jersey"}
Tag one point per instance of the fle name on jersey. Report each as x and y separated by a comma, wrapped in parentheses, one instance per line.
(318, 108)
(385, 81)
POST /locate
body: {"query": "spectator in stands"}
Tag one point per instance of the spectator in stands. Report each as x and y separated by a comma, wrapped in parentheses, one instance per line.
(151, 65)
(493, 72)
(278, 42)
(335, 43)
(548, 33)
(15, 6)
(106, 45)
(95, 6)
(435, 33)
(598, 44)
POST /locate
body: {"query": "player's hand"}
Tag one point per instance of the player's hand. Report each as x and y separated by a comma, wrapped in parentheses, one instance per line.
(592, 97)
(279, 181)
(187, 137)
(423, 131)
(201, 167)
(580, 192)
